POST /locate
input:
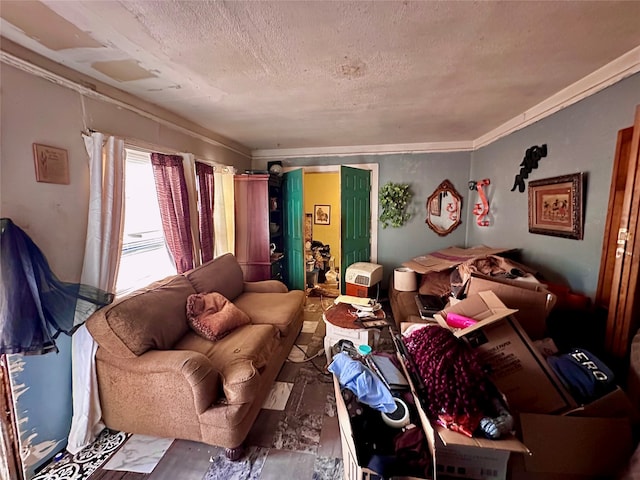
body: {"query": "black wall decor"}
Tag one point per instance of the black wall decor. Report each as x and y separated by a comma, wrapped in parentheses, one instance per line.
(531, 158)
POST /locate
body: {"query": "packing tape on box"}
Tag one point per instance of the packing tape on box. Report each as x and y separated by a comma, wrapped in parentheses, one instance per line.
(404, 280)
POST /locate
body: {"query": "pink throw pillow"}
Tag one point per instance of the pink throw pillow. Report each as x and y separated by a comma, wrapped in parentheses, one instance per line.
(213, 316)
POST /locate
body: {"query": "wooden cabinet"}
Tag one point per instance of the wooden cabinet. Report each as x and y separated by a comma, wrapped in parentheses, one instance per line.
(258, 210)
(252, 226)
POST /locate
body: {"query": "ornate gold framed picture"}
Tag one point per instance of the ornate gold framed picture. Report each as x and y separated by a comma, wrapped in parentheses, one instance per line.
(555, 206)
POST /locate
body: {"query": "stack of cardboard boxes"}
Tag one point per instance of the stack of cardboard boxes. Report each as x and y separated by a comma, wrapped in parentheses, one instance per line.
(559, 439)
(556, 437)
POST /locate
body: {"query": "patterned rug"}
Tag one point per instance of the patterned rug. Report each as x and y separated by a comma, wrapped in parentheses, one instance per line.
(86, 461)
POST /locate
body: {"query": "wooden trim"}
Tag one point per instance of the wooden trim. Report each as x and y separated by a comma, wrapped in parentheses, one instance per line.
(624, 309)
(8, 440)
(614, 209)
(622, 67)
(631, 258)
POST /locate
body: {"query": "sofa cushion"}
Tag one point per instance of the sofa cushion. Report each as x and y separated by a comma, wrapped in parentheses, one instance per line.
(212, 316)
(222, 274)
(153, 317)
(278, 309)
(436, 283)
(238, 357)
(403, 305)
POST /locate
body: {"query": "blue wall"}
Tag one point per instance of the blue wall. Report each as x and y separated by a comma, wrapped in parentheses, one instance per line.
(424, 173)
(580, 138)
(41, 387)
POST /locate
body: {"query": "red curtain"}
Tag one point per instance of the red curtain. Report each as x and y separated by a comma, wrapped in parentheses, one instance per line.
(204, 175)
(173, 199)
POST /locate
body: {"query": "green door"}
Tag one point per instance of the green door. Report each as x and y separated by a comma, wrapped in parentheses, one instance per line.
(355, 190)
(293, 201)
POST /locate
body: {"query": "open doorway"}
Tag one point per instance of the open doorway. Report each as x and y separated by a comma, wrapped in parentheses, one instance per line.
(322, 198)
(322, 233)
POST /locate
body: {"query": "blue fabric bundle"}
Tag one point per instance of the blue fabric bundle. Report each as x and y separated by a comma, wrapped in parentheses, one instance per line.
(35, 306)
(583, 374)
(369, 389)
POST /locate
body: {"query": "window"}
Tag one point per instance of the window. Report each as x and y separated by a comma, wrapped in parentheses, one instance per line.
(145, 257)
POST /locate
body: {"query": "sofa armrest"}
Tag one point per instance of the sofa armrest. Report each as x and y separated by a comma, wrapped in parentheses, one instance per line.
(266, 286)
(193, 367)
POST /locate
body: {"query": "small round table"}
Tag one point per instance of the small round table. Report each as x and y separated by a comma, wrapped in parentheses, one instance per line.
(340, 323)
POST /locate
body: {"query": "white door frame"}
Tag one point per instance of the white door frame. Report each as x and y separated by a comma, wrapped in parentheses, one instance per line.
(373, 200)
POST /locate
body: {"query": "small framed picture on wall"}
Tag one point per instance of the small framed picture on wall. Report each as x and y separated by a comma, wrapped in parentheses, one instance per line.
(322, 214)
(52, 164)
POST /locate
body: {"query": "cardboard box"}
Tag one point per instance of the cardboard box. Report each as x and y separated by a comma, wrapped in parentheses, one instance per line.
(532, 300)
(458, 456)
(583, 444)
(615, 404)
(560, 444)
(449, 257)
(353, 470)
(516, 367)
(517, 471)
(475, 458)
(474, 463)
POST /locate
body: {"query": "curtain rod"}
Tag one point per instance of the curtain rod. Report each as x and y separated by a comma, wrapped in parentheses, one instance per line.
(149, 147)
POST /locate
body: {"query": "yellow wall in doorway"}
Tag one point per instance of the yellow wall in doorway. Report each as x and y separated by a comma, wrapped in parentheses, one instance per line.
(324, 189)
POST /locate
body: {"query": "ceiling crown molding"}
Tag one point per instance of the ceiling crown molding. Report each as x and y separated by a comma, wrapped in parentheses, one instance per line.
(619, 69)
(32, 63)
(350, 151)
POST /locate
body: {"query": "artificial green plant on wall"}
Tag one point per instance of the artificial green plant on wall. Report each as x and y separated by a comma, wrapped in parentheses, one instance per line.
(394, 199)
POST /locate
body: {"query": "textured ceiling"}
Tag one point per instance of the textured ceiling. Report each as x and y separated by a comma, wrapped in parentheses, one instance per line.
(318, 74)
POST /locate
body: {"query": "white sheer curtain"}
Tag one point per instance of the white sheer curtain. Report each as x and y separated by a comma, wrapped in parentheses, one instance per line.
(101, 259)
(189, 165)
(223, 210)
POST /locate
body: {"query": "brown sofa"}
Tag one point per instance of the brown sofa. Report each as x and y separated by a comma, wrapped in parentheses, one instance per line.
(403, 305)
(156, 376)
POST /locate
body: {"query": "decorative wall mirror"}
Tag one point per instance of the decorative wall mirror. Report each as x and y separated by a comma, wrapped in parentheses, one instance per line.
(443, 209)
